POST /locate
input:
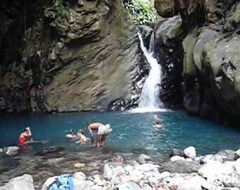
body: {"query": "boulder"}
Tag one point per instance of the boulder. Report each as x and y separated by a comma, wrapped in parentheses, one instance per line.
(176, 158)
(180, 166)
(130, 186)
(206, 36)
(189, 67)
(227, 155)
(142, 159)
(216, 170)
(107, 172)
(118, 171)
(12, 150)
(79, 176)
(190, 152)
(165, 8)
(168, 30)
(82, 185)
(176, 152)
(189, 185)
(210, 157)
(222, 62)
(25, 181)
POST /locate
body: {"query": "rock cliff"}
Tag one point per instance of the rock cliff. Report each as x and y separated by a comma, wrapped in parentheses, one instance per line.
(211, 59)
(61, 56)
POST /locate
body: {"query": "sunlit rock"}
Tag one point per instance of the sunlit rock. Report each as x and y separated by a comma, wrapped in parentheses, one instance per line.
(190, 152)
(25, 181)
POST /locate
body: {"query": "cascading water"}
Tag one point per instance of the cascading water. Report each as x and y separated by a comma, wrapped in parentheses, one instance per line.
(149, 98)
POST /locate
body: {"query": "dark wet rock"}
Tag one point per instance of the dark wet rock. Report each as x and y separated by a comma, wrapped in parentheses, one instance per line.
(180, 166)
(168, 52)
(208, 29)
(8, 163)
(165, 8)
(117, 105)
(176, 152)
(51, 152)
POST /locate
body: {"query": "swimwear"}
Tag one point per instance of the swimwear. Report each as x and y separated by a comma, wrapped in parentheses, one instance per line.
(103, 129)
(22, 141)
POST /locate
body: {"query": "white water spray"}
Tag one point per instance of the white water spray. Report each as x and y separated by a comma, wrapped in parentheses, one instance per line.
(149, 99)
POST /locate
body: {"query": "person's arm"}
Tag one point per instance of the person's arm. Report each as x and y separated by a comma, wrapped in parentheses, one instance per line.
(91, 134)
(29, 131)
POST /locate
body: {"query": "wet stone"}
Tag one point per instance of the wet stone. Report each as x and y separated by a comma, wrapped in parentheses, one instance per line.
(7, 163)
(51, 152)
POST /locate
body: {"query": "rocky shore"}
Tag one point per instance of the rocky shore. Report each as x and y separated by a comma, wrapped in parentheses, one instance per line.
(97, 170)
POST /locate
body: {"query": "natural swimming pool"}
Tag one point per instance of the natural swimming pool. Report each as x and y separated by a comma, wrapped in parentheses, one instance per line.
(132, 132)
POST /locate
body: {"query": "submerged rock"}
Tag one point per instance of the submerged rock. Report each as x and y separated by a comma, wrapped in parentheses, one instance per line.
(8, 163)
(51, 152)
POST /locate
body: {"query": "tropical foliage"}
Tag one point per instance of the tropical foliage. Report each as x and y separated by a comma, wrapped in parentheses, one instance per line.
(141, 10)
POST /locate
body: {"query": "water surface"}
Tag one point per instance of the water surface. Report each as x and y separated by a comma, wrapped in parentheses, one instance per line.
(132, 132)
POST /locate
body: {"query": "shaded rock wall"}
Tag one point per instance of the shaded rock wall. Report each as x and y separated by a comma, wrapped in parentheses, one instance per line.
(67, 56)
(211, 57)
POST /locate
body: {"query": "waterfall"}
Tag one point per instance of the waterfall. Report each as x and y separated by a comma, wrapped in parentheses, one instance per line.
(149, 98)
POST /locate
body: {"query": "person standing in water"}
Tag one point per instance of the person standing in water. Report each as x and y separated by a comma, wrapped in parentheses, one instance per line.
(102, 132)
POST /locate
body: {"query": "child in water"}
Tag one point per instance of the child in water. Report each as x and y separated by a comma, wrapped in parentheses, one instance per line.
(81, 137)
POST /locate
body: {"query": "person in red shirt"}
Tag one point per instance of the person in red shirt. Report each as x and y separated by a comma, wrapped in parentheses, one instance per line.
(24, 137)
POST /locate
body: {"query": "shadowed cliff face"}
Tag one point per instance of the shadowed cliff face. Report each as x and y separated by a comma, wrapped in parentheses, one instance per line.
(16, 17)
(210, 55)
(66, 56)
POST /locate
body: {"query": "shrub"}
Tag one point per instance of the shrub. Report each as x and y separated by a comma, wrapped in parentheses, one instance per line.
(141, 10)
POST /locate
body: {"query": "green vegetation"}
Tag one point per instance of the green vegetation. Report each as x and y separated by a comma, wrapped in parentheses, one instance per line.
(141, 10)
(59, 15)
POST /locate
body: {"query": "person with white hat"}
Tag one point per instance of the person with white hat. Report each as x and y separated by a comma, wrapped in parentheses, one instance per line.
(102, 132)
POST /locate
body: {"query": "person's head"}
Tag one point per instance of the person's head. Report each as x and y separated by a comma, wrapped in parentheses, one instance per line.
(80, 131)
(25, 132)
(70, 131)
